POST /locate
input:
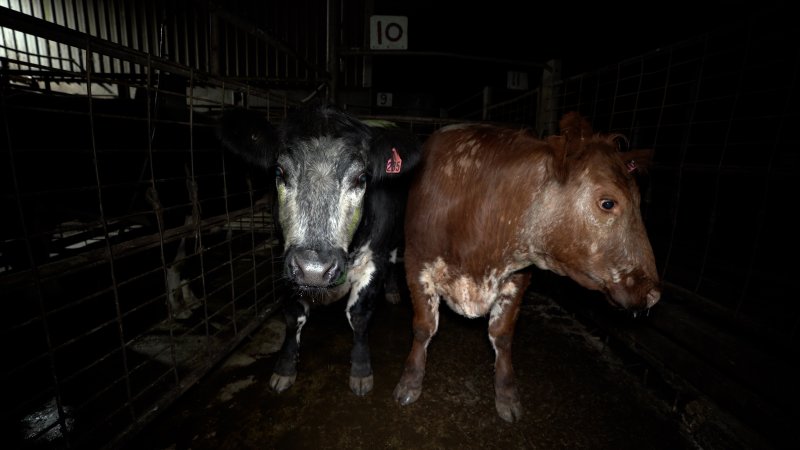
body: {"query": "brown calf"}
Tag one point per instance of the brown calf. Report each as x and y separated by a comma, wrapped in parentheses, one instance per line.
(490, 202)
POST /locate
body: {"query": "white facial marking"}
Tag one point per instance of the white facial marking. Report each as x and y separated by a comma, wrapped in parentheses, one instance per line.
(319, 202)
(448, 171)
(615, 276)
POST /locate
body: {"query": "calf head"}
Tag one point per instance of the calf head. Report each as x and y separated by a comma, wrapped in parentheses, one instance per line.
(323, 161)
(600, 240)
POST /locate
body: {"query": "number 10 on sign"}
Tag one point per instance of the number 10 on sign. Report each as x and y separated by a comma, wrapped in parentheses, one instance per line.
(388, 32)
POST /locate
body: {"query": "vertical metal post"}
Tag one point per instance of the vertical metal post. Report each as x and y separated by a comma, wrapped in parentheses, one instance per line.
(213, 55)
(546, 115)
(333, 49)
(369, 10)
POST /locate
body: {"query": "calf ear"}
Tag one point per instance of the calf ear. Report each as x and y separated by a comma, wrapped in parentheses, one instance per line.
(574, 130)
(249, 135)
(638, 161)
(573, 126)
(394, 152)
(557, 166)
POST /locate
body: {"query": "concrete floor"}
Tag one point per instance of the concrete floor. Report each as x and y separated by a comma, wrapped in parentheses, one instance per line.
(575, 391)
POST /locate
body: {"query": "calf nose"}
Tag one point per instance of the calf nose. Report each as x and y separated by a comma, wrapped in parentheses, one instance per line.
(634, 293)
(653, 296)
(312, 268)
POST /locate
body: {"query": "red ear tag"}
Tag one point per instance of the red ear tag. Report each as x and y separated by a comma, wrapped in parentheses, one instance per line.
(393, 164)
(631, 165)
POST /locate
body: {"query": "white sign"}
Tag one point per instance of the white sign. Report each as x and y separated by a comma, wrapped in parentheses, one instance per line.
(384, 99)
(517, 80)
(388, 32)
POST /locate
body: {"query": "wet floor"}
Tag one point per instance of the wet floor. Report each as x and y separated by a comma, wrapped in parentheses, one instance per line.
(575, 392)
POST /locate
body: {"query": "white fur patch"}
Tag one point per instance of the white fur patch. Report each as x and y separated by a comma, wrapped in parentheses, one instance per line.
(359, 275)
(301, 321)
(462, 293)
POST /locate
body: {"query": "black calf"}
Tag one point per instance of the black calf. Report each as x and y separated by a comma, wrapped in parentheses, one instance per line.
(341, 192)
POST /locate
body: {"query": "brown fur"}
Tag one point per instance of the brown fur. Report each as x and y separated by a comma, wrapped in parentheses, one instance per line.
(489, 202)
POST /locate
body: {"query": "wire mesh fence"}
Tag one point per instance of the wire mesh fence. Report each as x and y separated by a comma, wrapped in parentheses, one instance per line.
(135, 253)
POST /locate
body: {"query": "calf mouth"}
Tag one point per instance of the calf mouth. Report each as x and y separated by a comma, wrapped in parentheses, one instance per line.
(630, 293)
(321, 296)
(312, 289)
(641, 295)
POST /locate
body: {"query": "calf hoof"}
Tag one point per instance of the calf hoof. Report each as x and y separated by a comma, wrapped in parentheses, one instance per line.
(509, 410)
(361, 386)
(280, 383)
(406, 395)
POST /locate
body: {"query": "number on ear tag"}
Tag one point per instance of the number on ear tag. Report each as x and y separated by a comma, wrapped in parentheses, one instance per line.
(393, 164)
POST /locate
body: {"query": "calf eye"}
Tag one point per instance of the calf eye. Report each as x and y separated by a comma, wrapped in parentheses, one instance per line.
(279, 177)
(360, 181)
(607, 204)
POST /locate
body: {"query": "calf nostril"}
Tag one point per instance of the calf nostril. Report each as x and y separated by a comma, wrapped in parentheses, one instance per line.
(334, 274)
(652, 297)
(295, 269)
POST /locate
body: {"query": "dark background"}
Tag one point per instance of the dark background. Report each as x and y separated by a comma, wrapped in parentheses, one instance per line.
(582, 35)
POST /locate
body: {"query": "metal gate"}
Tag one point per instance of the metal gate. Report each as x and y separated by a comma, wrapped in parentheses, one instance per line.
(134, 253)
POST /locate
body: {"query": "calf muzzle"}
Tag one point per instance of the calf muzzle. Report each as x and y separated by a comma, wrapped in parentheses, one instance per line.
(316, 268)
(643, 295)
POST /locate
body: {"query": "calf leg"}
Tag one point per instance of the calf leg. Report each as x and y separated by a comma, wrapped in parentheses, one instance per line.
(360, 306)
(502, 320)
(359, 314)
(391, 287)
(285, 372)
(424, 326)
